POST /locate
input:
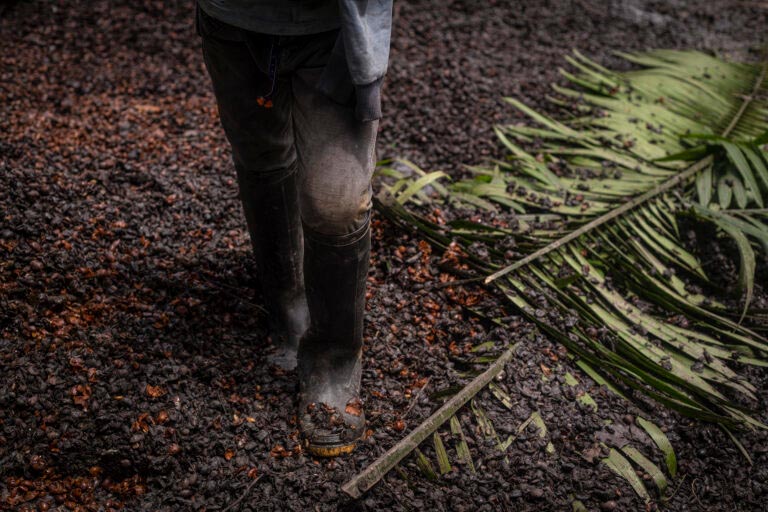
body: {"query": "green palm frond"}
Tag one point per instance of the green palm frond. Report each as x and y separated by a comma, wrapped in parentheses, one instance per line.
(591, 249)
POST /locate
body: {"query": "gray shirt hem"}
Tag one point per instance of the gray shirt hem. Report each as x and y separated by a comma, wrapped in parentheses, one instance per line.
(271, 27)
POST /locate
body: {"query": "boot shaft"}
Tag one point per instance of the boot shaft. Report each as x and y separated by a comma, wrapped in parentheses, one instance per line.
(336, 270)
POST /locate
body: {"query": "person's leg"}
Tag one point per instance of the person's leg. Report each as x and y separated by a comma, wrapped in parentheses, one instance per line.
(265, 158)
(335, 154)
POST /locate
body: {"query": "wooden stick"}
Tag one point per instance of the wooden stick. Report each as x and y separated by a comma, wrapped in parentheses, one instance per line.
(242, 496)
(371, 475)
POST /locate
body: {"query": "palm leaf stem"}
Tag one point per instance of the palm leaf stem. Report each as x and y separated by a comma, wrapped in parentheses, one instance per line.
(599, 221)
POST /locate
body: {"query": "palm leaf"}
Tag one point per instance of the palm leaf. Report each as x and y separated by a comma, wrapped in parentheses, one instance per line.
(607, 274)
(600, 265)
(621, 466)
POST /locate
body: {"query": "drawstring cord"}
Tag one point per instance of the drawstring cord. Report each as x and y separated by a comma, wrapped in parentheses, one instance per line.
(274, 59)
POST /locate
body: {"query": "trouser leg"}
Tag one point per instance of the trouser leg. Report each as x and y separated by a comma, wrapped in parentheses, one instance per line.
(265, 158)
(335, 154)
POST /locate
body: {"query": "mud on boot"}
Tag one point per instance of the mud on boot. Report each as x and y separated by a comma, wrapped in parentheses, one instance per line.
(331, 416)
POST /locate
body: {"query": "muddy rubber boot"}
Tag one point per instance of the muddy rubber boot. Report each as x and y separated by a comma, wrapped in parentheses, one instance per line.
(331, 418)
(271, 205)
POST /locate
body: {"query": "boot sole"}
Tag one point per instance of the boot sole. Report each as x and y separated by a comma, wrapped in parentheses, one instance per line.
(326, 450)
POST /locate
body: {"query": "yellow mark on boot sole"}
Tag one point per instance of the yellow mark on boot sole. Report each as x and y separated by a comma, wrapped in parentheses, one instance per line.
(331, 451)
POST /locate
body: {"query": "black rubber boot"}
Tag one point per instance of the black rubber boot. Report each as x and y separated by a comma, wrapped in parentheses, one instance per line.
(330, 411)
(271, 205)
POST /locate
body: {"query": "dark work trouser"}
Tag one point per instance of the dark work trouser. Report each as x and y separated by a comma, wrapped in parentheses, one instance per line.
(304, 169)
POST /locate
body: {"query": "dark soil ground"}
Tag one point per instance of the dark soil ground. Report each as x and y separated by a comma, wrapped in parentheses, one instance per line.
(131, 341)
